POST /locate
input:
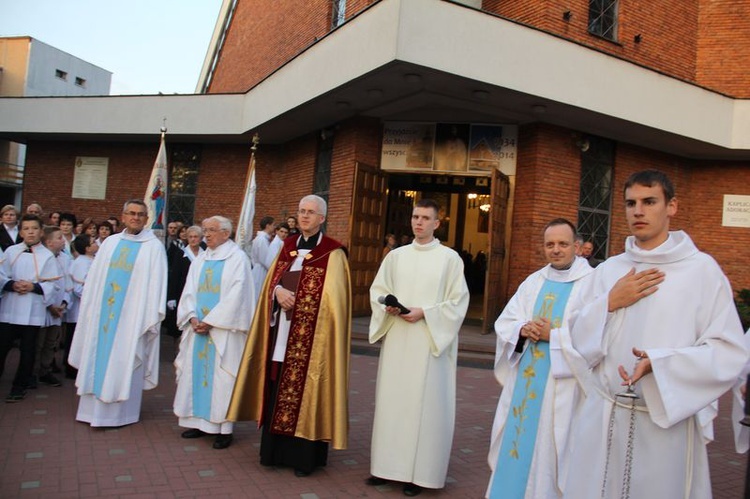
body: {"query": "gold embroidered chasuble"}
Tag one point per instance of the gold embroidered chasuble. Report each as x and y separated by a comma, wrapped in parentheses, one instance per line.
(312, 401)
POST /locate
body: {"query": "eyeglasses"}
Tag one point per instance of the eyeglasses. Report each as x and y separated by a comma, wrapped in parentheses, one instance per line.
(211, 229)
(136, 214)
(306, 212)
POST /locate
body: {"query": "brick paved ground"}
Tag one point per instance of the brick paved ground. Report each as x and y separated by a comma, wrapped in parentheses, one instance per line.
(45, 453)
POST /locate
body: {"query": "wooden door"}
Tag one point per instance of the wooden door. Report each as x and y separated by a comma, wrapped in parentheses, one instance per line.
(496, 283)
(367, 231)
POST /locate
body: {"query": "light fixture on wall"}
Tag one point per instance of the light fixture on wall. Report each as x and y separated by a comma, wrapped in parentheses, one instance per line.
(567, 15)
(583, 144)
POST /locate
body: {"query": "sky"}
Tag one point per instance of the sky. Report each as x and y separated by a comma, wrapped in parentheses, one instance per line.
(150, 46)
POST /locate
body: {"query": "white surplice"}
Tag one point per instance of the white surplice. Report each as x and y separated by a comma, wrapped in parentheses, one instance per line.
(134, 363)
(37, 266)
(690, 330)
(79, 269)
(561, 394)
(415, 400)
(258, 254)
(230, 321)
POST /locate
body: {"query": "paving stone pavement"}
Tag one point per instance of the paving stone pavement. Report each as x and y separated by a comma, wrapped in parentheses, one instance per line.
(44, 452)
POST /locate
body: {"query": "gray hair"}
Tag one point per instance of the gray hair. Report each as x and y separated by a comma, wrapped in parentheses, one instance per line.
(322, 206)
(224, 222)
(195, 228)
(139, 202)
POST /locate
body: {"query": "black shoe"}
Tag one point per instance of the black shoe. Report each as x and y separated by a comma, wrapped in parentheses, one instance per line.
(222, 441)
(301, 473)
(193, 433)
(374, 481)
(16, 395)
(50, 379)
(412, 489)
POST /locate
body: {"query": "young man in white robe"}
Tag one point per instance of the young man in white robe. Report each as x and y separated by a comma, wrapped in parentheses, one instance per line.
(259, 253)
(660, 320)
(116, 341)
(529, 436)
(282, 230)
(415, 399)
(28, 278)
(214, 313)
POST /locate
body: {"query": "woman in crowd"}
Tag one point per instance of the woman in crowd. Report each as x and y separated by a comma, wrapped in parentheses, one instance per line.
(178, 271)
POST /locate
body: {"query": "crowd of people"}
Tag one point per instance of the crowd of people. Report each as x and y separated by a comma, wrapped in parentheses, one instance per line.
(609, 375)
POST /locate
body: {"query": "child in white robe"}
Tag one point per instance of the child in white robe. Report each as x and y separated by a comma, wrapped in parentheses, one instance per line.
(86, 249)
(27, 282)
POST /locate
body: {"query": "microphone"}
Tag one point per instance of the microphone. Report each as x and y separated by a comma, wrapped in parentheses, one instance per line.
(392, 301)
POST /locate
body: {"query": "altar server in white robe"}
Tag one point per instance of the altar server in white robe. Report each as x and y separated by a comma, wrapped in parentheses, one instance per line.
(28, 279)
(116, 341)
(214, 313)
(529, 436)
(415, 398)
(662, 320)
(259, 252)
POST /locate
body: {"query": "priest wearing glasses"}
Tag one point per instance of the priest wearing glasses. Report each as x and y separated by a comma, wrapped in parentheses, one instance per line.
(294, 377)
(116, 342)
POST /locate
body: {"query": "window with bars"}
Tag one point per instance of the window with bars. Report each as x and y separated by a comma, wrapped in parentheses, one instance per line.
(595, 197)
(338, 13)
(183, 182)
(603, 18)
(322, 181)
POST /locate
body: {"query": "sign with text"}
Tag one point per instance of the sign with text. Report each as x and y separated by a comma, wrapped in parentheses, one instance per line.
(90, 177)
(736, 211)
(449, 147)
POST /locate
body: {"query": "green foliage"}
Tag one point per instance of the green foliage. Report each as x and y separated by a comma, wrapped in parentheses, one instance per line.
(743, 307)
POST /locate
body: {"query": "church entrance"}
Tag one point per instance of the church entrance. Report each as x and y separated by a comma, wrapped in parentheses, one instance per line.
(473, 220)
(464, 222)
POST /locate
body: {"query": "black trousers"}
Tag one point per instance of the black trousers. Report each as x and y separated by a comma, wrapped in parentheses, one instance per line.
(283, 450)
(27, 336)
(70, 328)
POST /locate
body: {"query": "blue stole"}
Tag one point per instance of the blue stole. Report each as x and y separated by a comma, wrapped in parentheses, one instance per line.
(204, 350)
(116, 288)
(519, 434)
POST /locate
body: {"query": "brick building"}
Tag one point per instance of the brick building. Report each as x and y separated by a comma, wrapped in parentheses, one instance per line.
(548, 105)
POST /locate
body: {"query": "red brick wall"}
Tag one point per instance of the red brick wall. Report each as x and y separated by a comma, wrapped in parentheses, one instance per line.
(730, 246)
(547, 183)
(668, 29)
(221, 181)
(265, 34)
(49, 176)
(724, 46)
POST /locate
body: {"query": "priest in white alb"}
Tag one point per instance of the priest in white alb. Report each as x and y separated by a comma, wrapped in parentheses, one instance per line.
(415, 397)
(116, 341)
(214, 313)
(661, 334)
(529, 436)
